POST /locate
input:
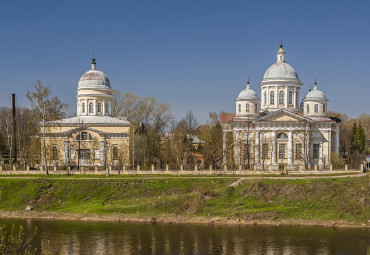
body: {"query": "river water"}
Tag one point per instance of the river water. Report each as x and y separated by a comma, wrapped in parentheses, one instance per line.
(76, 237)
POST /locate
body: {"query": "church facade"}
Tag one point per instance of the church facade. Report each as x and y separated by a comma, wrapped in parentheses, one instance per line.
(93, 137)
(278, 131)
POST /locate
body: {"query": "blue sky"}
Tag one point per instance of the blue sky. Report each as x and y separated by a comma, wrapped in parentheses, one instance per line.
(194, 55)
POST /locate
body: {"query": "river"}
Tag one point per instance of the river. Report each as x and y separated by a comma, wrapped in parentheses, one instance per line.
(76, 237)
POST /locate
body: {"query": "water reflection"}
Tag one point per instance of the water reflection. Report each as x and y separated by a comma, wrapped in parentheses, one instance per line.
(64, 237)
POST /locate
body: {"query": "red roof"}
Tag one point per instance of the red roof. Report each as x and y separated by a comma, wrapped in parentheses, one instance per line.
(226, 117)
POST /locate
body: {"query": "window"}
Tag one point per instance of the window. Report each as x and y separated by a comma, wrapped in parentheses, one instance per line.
(298, 151)
(296, 99)
(239, 108)
(265, 98)
(323, 109)
(308, 109)
(265, 150)
(54, 153)
(84, 154)
(290, 97)
(84, 136)
(247, 108)
(83, 107)
(272, 97)
(96, 154)
(282, 135)
(255, 108)
(282, 150)
(316, 108)
(281, 97)
(106, 108)
(115, 153)
(73, 154)
(316, 150)
(91, 108)
(99, 107)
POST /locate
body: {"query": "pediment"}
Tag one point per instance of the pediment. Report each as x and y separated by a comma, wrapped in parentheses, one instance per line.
(282, 116)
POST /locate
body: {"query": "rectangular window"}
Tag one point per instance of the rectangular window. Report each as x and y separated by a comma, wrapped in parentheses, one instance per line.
(298, 151)
(96, 154)
(73, 154)
(316, 150)
(282, 150)
(84, 154)
(265, 150)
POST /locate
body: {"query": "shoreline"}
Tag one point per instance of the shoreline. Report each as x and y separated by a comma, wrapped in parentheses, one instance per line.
(176, 219)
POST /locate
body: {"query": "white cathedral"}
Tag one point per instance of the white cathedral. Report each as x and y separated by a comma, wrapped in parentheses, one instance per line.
(279, 131)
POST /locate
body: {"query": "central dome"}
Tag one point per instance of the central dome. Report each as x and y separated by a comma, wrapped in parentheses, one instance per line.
(280, 70)
(94, 79)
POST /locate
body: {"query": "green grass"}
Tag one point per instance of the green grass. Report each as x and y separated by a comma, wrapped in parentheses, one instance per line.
(327, 199)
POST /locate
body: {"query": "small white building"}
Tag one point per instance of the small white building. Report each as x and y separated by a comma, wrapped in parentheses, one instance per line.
(279, 131)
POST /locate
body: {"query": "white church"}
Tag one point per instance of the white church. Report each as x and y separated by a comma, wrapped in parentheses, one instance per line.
(278, 131)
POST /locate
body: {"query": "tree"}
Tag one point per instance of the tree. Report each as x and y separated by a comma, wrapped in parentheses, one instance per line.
(47, 109)
(212, 149)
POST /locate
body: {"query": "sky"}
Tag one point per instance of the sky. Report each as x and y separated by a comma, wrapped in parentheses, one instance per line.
(193, 55)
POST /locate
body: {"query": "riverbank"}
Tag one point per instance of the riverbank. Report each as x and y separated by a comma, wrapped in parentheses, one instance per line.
(334, 202)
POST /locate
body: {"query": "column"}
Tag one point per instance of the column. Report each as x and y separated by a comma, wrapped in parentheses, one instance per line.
(273, 145)
(110, 107)
(237, 148)
(257, 148)
(102, 152)
(286, 97)
(267, 98)
(276, 97)
(224, 137)
(290, 147)
(66, 152)
(103, 107)
(336, 148)
(326, 147)
(320, 153)
(78, 107)
(295, 97)
(95, 106)
(307, 154)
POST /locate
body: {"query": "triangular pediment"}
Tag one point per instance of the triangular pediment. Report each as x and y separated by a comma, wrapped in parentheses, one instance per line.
(283, 116)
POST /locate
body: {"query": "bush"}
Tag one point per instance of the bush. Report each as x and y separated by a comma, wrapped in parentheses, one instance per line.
(16, 243)
(337, 161)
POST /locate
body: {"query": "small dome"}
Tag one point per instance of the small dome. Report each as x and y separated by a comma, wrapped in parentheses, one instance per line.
(248, 93)
(315, 94)
(280, 70)
(94, 79)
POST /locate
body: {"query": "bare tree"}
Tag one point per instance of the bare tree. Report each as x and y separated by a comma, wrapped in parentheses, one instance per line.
(48, 109)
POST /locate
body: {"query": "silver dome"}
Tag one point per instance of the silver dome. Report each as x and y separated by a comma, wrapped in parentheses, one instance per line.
(94, 79)
(280, 70)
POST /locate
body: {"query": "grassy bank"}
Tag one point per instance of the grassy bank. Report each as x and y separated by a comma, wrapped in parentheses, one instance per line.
(344, 199)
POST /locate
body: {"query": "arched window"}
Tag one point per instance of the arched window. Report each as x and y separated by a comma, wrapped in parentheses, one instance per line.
(91, 108)
(255, 108)
(247, 108)
(281, 97)
(265, 98)
(272, 97)
(115, 152)
(308, 109)
(316, 108)
(83, 107)
(323, 108)
(239, 108)
(54, 153)
(296, 99)
(99, 107)
(290, 97)
(282, 135)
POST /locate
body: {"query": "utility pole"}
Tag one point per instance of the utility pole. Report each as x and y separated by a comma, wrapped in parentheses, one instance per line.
(14, 139)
